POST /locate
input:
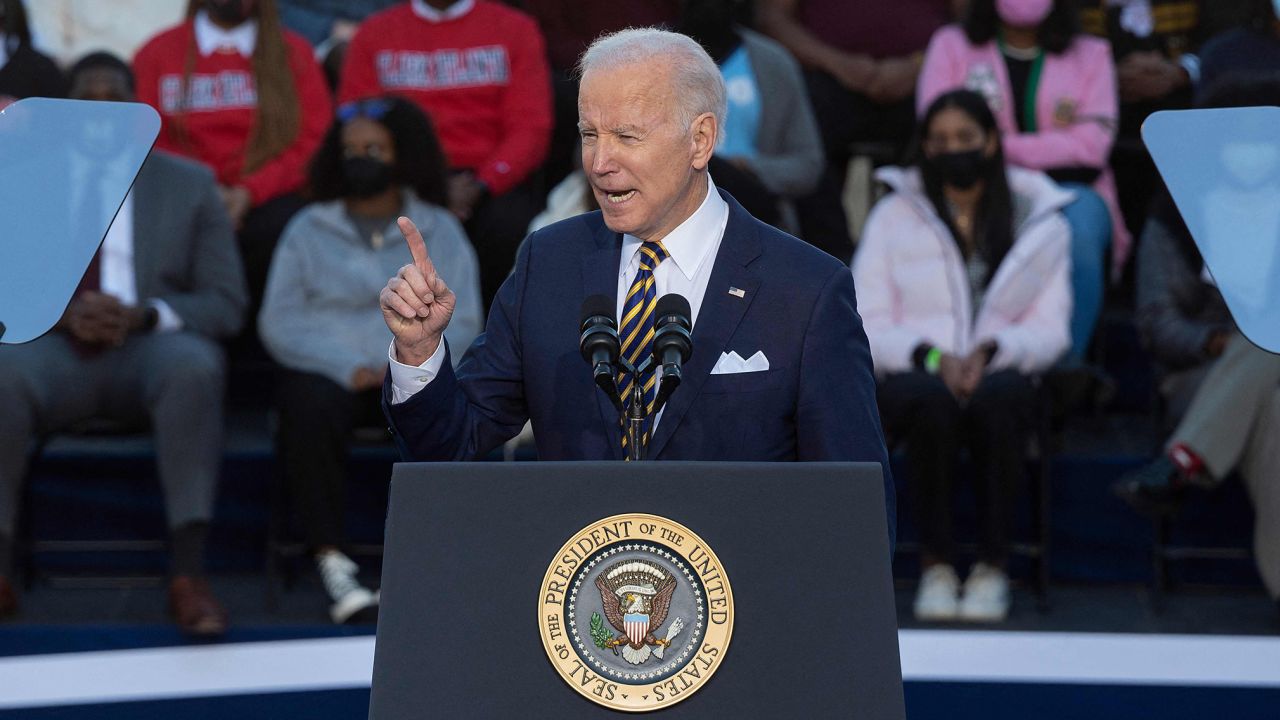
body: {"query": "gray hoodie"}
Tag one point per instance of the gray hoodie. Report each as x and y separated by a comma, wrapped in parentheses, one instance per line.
(320, 311)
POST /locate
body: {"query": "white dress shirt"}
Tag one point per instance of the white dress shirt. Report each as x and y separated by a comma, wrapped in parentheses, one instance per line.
(116, 264)
(117, 275)
(454, 11)
(210, 38)
(120, 278)
(691, 248)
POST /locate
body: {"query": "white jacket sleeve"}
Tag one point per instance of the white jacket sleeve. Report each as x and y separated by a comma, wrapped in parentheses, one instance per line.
(878, 297)
(1035, 341)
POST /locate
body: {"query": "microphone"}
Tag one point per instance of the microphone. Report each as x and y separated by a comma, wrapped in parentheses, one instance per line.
(672, 342)
(599, 344)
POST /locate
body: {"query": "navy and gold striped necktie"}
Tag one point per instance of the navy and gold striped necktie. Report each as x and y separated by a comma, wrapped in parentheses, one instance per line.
(637, 332)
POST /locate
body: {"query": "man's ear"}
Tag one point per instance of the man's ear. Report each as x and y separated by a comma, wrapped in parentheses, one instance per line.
(705, 131)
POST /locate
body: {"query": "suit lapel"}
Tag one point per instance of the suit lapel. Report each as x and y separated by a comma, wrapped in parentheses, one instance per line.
(145, 215)
(600, 277)
(718, 317)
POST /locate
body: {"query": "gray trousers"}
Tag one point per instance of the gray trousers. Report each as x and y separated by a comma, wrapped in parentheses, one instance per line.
(1233, 424)
(173, 380)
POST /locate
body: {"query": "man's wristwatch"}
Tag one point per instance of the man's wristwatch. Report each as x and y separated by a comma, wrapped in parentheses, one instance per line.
(150, 319)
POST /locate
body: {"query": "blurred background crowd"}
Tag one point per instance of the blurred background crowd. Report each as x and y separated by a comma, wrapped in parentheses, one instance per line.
(977, 162)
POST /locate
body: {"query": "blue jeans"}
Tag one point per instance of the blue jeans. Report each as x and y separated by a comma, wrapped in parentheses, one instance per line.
(1090, 223)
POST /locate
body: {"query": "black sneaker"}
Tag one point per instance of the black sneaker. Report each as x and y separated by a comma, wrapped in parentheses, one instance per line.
(1155, 489)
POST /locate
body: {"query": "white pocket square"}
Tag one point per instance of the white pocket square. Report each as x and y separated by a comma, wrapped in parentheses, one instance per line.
(731, 363)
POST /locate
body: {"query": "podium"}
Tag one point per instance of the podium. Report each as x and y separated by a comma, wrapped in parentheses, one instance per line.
(689, 590)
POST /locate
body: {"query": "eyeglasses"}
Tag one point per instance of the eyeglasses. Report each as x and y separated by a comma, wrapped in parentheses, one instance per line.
(374, 109)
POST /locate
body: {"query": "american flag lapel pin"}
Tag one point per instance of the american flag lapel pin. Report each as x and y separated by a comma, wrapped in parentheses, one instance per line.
(737, 292)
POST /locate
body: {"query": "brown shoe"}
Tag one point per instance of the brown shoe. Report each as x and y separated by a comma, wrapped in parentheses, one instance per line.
(194, 608)
(8, 599)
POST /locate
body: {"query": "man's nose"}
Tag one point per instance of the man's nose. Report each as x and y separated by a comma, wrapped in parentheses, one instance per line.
(601, 160)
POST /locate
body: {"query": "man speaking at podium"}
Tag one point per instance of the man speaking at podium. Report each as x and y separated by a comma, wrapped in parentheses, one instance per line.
(780, 368)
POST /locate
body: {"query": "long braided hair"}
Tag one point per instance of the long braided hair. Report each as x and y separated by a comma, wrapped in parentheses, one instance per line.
(279, 113)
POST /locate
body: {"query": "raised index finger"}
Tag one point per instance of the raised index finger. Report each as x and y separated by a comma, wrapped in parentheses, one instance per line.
(417, 248)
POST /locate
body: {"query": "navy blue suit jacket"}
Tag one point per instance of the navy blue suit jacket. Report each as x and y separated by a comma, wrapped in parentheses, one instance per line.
(817, 401)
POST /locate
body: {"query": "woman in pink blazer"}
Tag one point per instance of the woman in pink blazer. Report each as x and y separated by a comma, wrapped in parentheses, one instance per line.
(1053, 93)
(962, 276)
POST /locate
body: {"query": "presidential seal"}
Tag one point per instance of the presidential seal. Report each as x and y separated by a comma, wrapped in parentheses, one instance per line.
(636, 612)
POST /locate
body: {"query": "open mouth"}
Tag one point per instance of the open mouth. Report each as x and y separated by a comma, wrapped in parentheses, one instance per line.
(619, 197)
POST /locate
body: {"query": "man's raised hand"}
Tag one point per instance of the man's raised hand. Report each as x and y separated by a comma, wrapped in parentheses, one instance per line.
(416, 303)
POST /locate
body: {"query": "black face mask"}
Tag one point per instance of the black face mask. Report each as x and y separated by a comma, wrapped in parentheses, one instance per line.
(229, 12)
(961, 169)
(365, 177)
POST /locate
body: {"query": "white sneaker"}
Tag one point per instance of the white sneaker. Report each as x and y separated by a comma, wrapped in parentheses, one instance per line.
(339, 575)
(936, 600)
(986, 595)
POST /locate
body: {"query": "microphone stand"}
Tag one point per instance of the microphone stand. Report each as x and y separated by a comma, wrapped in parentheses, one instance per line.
(600, 347)
(635, 413)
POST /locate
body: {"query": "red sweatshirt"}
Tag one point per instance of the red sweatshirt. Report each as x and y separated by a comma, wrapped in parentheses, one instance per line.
(222, 101)
(482, 78)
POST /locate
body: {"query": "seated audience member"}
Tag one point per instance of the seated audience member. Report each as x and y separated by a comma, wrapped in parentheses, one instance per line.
(861, 62)
(1153, 43)
(569, 26)
(770, 151)
(327, 23)
(242, 95)
(1052, 90)
(329, 26)
(1222, 393)
(1251, 51)
(320, 318)
(24, 72)
(70, 29)
(962, 277)
(479, 70)
(138, 344)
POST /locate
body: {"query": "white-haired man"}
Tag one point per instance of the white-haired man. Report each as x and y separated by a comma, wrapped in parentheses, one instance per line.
(780, 368)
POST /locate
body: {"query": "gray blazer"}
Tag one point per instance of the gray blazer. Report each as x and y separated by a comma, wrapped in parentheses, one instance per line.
(1176, 309)
(790, 157)
(184, 249)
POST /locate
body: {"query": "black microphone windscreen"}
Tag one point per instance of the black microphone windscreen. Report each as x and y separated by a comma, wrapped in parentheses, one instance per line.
(673, 304)
(599, 305)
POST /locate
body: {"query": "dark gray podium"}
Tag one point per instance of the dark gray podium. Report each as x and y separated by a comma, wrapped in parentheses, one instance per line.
(804, 546)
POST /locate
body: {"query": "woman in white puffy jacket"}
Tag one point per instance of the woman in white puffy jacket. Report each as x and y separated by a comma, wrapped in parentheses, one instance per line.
(963, 284)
